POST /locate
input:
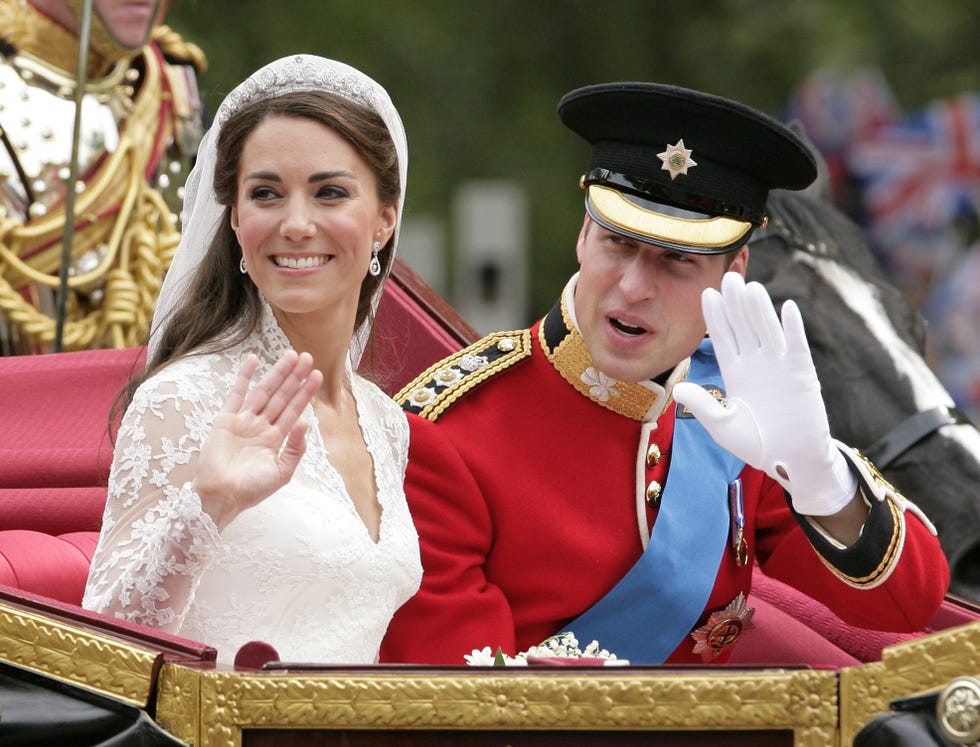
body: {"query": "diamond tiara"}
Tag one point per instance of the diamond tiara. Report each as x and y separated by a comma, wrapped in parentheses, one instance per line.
(300, 73)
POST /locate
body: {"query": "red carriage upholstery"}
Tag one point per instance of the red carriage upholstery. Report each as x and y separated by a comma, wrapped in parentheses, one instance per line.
(55, 453)
(789, 622)
(55, 458)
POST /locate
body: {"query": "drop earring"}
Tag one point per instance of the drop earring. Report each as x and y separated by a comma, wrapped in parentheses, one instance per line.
(375, 267)
(241, 266)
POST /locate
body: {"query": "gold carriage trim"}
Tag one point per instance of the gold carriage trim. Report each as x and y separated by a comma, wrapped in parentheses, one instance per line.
(434, 390)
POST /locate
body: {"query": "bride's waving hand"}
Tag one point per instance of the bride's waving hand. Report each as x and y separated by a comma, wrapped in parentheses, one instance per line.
(258, 437)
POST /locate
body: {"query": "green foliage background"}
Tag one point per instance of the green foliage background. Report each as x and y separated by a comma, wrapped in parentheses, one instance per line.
(477, 82)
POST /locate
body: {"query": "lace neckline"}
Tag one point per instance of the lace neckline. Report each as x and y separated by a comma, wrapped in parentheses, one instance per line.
(272, 344)
(372, 446)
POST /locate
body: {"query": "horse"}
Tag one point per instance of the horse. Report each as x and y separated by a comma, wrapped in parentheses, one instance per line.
(868, 344)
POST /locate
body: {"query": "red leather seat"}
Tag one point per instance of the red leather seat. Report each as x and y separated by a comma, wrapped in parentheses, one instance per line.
(56, 453)
(54, 566)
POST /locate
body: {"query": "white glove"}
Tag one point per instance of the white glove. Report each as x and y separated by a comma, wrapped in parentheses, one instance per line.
(774, 418)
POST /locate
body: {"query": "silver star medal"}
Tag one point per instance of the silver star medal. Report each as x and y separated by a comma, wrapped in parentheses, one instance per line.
(677, 159)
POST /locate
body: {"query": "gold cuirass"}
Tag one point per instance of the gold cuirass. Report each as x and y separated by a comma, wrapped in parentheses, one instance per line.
(138, 129)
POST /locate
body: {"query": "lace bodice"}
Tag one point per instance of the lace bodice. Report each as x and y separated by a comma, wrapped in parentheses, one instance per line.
(299, 571)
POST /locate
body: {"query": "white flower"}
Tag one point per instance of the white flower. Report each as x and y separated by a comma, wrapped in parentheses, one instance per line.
(421, 397)
(600, 385)
(486, 658)
(562, 645)
(447, 376)
(480, 657)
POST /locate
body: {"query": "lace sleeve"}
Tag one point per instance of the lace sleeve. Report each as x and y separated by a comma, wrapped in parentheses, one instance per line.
(156, 539)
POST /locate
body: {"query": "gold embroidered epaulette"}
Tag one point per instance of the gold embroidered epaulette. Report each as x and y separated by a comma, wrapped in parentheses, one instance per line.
(434, 390)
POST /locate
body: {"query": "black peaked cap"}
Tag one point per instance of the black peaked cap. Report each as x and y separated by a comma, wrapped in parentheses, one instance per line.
(734, 153)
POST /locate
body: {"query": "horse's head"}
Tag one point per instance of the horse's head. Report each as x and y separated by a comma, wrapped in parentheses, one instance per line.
(867, 343)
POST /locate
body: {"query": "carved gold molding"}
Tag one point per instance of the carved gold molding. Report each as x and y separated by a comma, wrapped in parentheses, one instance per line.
(211, 708)
(925, 664)
(178, 702)
(929, 663)
(803, 702)
(863, 695)
(77, 655)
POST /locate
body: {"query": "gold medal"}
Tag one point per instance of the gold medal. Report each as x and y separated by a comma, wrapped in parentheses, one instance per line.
(723, 628)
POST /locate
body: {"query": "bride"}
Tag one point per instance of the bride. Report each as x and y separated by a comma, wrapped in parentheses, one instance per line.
(256, 490)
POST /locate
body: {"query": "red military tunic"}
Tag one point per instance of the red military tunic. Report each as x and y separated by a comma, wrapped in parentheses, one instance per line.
(524, 483)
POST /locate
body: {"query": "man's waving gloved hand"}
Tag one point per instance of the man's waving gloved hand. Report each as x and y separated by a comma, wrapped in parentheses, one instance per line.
(774, 417)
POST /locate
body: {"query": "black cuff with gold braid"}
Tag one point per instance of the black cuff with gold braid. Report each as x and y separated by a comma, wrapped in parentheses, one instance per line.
(869, 561)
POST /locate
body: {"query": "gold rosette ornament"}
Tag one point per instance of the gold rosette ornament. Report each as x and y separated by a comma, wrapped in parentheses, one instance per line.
(723, 628)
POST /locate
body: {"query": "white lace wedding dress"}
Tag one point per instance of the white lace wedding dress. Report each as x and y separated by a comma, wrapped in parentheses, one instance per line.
(299, 571)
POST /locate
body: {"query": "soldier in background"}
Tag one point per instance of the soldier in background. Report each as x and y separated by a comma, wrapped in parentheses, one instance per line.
(140, 126)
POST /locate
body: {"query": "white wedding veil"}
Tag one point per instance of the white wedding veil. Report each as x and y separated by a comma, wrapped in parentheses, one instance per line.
(201, 215)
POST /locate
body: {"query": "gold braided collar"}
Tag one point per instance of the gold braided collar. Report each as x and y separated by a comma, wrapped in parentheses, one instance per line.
(564, 347)
(29, 31)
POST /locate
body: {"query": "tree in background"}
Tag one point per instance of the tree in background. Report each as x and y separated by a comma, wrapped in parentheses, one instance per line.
(478, 83)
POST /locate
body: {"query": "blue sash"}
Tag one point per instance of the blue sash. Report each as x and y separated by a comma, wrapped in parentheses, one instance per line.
(659, 601)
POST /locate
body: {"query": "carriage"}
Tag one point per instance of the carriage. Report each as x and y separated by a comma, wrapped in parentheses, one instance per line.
(803, 678)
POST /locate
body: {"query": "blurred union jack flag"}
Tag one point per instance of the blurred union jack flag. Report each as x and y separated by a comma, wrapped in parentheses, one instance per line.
(922, 172)
(837, 108)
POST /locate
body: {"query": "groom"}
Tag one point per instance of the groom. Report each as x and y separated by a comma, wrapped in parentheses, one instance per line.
(614, 472)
